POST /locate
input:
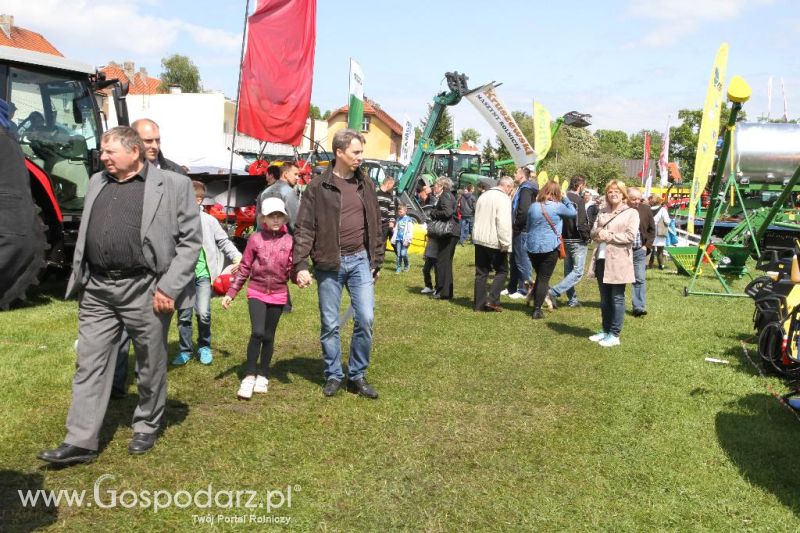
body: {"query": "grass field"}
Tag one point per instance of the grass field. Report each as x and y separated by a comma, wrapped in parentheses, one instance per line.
(485, 422)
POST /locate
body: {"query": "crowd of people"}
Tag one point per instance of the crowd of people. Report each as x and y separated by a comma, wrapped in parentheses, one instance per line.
(146, 250)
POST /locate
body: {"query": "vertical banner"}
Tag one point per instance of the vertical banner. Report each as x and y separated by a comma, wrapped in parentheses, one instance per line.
(499, 118)
(646, 157)
(355, 110)
(542, 132)
(663, 159)
(709, 131)
(407, 146)
(277, 71)
(648, 184)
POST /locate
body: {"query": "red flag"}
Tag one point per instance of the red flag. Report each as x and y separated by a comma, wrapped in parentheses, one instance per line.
(646, 162)
(277, 70)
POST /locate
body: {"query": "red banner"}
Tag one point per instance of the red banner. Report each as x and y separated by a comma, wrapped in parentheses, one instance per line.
(646, 162)
(277, 70)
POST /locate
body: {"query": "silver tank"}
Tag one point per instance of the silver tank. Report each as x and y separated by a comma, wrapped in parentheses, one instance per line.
(766, 153)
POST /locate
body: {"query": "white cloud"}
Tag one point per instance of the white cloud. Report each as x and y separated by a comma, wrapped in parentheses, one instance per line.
(678, 18)
(108, 28)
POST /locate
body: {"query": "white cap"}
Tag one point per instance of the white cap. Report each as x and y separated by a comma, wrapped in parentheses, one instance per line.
(272, 205)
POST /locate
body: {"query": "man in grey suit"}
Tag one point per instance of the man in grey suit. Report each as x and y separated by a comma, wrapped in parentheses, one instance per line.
(137, 247)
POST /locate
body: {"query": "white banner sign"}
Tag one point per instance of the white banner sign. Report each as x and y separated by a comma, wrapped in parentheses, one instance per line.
(489, 105)
(407, 146)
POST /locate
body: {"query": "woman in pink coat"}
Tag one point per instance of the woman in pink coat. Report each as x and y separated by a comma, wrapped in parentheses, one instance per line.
(614, 231)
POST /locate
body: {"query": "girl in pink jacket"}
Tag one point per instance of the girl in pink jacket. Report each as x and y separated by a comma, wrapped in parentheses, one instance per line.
(267, 262)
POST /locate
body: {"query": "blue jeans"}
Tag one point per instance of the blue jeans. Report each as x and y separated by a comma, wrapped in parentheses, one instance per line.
(466, 229)
(402, 255)
(354, 274)
(573, 270)
(640, 285)
(202, 305)
(520, 268)
(612, 301)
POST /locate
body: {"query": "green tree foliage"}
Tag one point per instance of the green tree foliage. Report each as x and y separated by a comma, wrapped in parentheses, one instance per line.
(637, 145)
(683, 138)
(573, 140)
(598, 169)
(470, 134)
(613, 143)
(313, 112)
(179, 70)
(326, 115)
(443, 133)
(488, 153)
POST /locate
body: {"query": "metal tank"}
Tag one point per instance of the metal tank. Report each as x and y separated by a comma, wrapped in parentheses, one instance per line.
(765, 152)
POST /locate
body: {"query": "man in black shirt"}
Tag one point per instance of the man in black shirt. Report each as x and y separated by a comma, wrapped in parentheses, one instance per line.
(136, 251)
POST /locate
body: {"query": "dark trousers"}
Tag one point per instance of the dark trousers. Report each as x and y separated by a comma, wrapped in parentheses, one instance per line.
(544, 265)
(444, 266)
(657, 254)
(263, 323)
(612, 301)
(486, 261)
(430, 264)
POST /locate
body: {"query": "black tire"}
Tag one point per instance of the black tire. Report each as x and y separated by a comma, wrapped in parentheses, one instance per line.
(755, 286)
(769, 348)
(23, 275)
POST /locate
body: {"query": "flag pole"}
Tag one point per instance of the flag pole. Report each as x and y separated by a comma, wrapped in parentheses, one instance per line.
(236, 114)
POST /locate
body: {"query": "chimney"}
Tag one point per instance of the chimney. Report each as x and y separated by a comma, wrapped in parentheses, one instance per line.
(7, 24)
(128, 67)
(143, 72)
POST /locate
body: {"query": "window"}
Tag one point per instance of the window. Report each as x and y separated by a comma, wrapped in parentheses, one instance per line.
(365, 124)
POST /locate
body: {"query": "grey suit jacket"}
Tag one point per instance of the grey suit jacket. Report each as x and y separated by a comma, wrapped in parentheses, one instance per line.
(171, 233)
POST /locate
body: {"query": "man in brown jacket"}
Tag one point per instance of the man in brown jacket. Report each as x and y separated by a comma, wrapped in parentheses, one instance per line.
(339, 228)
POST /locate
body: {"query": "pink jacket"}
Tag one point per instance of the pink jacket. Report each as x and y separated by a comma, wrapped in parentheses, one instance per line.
(267, 261)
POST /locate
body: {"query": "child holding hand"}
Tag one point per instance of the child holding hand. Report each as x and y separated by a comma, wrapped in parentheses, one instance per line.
(267, 262)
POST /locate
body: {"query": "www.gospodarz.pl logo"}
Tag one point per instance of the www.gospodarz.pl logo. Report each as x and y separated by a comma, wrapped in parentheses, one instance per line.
(105, 497)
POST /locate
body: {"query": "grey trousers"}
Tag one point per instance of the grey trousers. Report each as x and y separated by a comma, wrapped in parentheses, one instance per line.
(106, 308)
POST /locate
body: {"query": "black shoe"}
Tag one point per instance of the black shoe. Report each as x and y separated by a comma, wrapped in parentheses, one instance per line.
(142, 443)
(331, 387)
(362, 388)
(67, 454)
(537, 314)
(639, 312)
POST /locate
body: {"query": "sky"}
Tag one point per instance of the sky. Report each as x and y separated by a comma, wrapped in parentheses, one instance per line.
(631, 64)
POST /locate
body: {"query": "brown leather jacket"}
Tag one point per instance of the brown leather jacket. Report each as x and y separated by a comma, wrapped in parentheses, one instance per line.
(317, 230)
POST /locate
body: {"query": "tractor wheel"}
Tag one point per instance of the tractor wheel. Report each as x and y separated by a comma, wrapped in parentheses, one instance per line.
(30, 263)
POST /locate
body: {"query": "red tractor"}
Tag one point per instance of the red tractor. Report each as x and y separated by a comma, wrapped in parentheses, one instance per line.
(56, 121)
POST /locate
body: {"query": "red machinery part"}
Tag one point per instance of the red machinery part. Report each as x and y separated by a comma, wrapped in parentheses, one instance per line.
(44, 181)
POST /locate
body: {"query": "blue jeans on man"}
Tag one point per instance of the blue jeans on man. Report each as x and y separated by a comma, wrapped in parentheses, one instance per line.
(202, 306)
(354, 274)
(573, 271)
(640, 285)
(466, 229)
(520, 267)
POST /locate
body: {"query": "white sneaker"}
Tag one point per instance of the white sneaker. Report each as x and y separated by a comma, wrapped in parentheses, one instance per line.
(261, 386)
(548, 302)
(610, 340)
(504, 292)
(597, 337)
(426, 290)
(516, 296)
(246, 388)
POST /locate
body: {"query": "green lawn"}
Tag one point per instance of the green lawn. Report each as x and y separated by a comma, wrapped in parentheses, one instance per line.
(485, 422)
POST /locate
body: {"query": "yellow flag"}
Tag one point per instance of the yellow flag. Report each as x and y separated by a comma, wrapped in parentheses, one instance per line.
(709, 132)
(542, 136)
(542, 178)
(564, 185)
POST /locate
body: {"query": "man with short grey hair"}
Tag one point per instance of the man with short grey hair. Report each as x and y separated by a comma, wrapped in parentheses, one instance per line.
(136, 250)
(641, 247)
(491, 236)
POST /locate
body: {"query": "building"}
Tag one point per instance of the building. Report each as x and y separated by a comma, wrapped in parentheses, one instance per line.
(383, 133)
(138, 81)
(17, 37)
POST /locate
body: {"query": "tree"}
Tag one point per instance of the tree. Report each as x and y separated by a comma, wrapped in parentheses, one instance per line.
(683, 138)
(637, 145)
(488, 153)
(470, 134)
(443, 133)
(613, 143)
(313, 112)
(179, 70)
(326, 115)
